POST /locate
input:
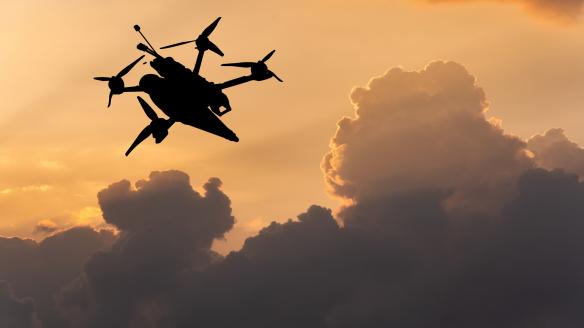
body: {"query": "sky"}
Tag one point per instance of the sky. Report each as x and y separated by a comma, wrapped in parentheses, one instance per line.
(420, 166)
(60, 144)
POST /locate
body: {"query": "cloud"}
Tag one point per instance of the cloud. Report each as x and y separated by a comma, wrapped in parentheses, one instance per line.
(31, 188)
(433, 152)
(165, 227)
(45, 227)
(16, 313)
(403, 257)
(427, 130)
(39, 270)
(448, 222)
(559, 10)
(521, 272)
(553, 150)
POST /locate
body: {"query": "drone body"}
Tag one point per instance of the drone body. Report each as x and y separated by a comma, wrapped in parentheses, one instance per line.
(183, 94)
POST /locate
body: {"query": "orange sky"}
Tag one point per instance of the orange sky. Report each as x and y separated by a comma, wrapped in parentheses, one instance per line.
(59, 144)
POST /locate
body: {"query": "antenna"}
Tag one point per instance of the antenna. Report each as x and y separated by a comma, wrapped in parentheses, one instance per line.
(137, 28)
(143, 47)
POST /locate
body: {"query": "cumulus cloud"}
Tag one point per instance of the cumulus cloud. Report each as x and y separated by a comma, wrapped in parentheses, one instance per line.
(562, 10)
(165, 227)
(403, 258)
(40, 270)
(553, 150)
(514, 267)
(523, 271)
(449, 222)
(426, 130)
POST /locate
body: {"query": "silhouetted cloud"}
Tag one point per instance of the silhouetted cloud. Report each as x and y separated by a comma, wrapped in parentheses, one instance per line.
(563, 10)
(553, 150)
(522, 271)
(165, 227)
(39, 270)
(448, 222)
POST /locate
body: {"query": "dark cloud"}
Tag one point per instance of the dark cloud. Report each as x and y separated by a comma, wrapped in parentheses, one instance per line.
(39, 270)
(165, 227)
(434, 151)
(447, 222)
(562, 10)
(523, 271)
(553, 150)
(16, 313)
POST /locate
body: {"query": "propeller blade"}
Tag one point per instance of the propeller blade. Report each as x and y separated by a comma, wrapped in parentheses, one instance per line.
(210, 28)
(102, 78)
(109, 101)
(268, 56)
(129, 67)
(147, 109)
(276, 76)
(177, 44)
(242, 64)
(145, 133)
(215, 49)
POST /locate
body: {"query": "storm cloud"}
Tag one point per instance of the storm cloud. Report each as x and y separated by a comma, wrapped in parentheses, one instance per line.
(447, 221)
(559, 10)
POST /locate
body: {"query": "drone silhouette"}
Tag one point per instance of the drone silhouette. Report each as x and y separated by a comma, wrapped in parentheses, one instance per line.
(183, 94)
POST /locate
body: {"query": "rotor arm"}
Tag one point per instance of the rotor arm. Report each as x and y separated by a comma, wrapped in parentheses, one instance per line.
(236, 81)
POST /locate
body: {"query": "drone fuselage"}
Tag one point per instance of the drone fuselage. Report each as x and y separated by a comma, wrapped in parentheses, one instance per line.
(177, 89)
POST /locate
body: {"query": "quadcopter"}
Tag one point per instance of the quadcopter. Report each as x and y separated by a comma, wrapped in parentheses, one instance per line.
(183, 94)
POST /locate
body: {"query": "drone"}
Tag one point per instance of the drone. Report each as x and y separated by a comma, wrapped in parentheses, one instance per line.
(182, 94)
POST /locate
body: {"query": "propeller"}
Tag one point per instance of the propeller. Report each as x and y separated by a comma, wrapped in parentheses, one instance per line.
(240, 64)
(259, 69)
(115, 83)
(202, 41)
(158, 127)
(147, 109)
(141, 137)
(268, 56)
